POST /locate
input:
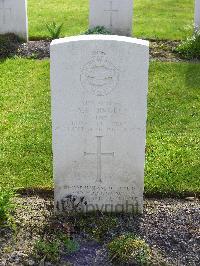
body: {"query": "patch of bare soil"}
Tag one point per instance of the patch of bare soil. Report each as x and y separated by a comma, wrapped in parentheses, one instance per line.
(161, 50)
(34, 49)
(169, 226)
(164, 50)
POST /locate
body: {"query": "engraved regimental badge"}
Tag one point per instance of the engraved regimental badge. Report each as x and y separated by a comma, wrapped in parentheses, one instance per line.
(99, 76)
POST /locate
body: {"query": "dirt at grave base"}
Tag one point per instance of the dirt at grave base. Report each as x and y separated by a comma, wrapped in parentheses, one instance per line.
(161, 50)
(169, 226)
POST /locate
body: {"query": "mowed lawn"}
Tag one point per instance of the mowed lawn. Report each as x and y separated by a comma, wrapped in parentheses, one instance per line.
(172, 160)
(164, 19)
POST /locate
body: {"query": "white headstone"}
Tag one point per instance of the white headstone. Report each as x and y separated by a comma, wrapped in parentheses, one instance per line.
(115, 15)
(197, 14)
(13, 17)
(99, 101)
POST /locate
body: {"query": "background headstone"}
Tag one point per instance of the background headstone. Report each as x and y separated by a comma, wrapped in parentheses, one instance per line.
(99, 101)
(13, 17)
(115, 15)
(197, 14)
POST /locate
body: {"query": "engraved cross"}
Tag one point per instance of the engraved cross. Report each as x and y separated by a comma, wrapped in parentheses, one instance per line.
(4, 10)
(111, 10)
(99, 155)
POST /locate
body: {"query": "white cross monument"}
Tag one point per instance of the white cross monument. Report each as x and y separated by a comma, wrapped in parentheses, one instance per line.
(99, 103)
(114, 15)
(13, 18)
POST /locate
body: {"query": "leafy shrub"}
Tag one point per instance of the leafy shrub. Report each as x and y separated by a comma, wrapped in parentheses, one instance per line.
(98, 30)
(54, 29)
(129, 249)
(8, 45)
(6, 206)
(190, 48)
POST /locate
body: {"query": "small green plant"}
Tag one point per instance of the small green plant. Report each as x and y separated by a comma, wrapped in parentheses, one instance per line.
(129, 249)
(54, 29)
(69, 244)
(50, 249)
(103, 226)
(190, 48)
(47, 249)
(6, 206)
(97, 225)
(98, 30)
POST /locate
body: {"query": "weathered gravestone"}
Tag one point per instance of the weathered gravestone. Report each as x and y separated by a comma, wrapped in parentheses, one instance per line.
(13, 17)
(99, 98)
(197, 14)
(115, 15)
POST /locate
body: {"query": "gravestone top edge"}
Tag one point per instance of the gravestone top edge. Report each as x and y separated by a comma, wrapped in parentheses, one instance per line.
(99, 38)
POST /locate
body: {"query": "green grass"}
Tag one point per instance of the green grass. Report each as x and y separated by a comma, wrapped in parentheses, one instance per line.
(6, 206)
(25, 143)
(173, 138)
(152, 18)
(164, 19)
(172, 163)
